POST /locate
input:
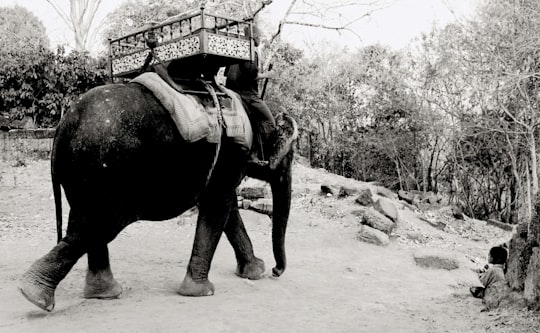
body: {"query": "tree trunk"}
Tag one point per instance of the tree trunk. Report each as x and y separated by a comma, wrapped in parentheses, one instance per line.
(534, 166)
(529, 197)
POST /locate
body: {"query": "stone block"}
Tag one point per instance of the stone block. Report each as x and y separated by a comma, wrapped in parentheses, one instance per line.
(252, 192)
(433, 258)
(387, 208)
(263, 206)
(365, 198)
(375, 220)
(372, 236)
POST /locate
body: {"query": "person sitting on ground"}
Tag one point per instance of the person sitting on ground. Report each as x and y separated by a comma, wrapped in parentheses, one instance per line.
(494, 271)
(243, 78)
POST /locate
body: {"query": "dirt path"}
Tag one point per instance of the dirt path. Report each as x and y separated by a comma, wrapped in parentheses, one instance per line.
(333, 282)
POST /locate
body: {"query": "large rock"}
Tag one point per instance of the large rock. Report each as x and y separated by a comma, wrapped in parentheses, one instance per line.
(375, 220)
(246, 203)
(457, 213)
(369, 235)
(263, 206)
(387, 208)
(252, 192)
(327, 190)
(345, 191)
(384, 192)
(409, 197)
(365, 198)
(433, 258)
(531, 292)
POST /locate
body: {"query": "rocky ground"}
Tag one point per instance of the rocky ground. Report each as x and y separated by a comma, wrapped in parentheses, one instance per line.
(334, 282)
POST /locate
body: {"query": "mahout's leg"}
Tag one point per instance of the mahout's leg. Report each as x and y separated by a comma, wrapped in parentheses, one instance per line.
(100, 282)
(249, 266)
(40, 281)
(214, 209)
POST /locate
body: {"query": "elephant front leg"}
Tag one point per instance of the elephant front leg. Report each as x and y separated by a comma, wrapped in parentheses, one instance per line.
(213, 213)
(249, 266)
(100, 282)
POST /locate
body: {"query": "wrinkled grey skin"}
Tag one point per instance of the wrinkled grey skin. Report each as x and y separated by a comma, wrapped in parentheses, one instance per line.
(119, 159)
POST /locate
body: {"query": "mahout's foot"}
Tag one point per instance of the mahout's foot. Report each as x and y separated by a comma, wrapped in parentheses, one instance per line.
(253, 270)
(102, 285)
(190, 287)
(36, 293)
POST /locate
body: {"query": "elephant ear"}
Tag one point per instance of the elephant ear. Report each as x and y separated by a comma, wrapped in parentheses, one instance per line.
(284, 135)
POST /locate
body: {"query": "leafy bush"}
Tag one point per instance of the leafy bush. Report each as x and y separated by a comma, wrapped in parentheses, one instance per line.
(41, 84)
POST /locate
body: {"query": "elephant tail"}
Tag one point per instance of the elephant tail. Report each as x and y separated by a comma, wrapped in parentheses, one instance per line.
(58, 207)
(57, 192)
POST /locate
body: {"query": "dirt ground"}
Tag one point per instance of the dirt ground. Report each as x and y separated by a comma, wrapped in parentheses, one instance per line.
(333, 283)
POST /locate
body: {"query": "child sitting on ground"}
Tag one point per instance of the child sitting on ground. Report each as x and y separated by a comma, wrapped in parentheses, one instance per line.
(494, 272)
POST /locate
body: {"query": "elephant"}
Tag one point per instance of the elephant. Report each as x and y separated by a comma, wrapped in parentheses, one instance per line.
(119, 158)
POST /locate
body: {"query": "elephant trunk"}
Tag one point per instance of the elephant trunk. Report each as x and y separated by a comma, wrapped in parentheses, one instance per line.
(281, 198)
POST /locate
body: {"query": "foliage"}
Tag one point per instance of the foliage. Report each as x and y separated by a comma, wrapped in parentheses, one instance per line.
(44, 84)
(135, 15)
(20, 29)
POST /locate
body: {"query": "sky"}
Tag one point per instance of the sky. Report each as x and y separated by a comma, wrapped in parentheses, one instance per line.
(394, 26)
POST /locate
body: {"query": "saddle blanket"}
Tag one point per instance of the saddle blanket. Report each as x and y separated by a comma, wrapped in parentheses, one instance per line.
(197, 120)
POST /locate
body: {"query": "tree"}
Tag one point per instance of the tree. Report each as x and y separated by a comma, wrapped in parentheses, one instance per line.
(135, 15)
(79, 20)
(45, 83)
(20, 30)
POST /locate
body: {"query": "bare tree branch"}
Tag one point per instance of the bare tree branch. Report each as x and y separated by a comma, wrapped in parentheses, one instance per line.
(80, 18)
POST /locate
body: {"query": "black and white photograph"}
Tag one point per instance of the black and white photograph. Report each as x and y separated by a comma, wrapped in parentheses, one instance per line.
(366, 166)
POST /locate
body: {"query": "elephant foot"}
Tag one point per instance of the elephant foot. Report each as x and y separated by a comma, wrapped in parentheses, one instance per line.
(102, 285)
(190, 287)
(253, 270)
(36, 293)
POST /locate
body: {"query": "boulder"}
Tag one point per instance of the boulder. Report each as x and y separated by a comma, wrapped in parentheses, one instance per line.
(430, 198)
(373, 236)
(408, 197)
(384, 192)
(347, 192)
(263, 206)
(365, 198)
(253, 192)
(246, 203)
(457, 213)
(327, 190)
(375, 220)
(433, 258)
(387, 208)
(416, 236)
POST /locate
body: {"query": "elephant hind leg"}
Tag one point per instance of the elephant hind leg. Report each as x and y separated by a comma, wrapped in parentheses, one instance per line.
(39, 283)
(248, 266)
(100, 282)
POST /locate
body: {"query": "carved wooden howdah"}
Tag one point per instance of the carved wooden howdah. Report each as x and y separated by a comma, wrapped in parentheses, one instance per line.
(210, 38)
